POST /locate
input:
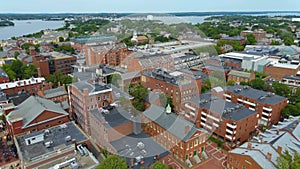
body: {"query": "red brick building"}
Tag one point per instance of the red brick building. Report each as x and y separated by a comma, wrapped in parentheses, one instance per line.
(58, 94)
(86, 96)
(35, 114)
(267, 105)
(231, 122)
(177, 85)
(259, 34)
(181, 138)
(52, 62)
(32, 86)
(240, 76)
(111, 54)
(279, 70)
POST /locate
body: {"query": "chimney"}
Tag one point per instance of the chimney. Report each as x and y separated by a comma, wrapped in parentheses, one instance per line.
(269, 156)
(186, 129)
(86, 91)
(260, 139)
(279, 149)
(277, 132)
(249, 146)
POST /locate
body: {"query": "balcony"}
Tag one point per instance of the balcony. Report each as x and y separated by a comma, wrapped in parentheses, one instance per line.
(229, 137)
(214, 118)
(190, 107)
(227, 95)
(206, 125)
(202, 112)
(231, 125)
(250, 108)
(265, 119)
(202, 118)
(216, 125)
(266, 114)
(267, 109)
(229, 131)
(250, 103)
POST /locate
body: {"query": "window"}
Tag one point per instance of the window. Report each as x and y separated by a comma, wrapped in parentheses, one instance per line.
(243, 167)
(99, 98)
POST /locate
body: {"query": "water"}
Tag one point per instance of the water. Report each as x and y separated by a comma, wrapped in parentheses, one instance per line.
(181, 19)
(23, 27)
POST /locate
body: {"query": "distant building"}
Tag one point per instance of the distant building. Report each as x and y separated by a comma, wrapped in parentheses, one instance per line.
(49, 63)
(3, 76)
(259, 34)
(240, 76)
(279, 70)
(35, 114)
(239, 39)
(267, 105)
(86, 96)
(293, 81)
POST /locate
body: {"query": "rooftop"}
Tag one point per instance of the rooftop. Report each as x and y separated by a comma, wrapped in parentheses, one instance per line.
(3, 73)
(171, 122)
(227, 110)
(92, 87)
(59, 91)
(58, 55)
(25, 82)
(56, 135)
(239, 74)
(32, 108)
(258, 95)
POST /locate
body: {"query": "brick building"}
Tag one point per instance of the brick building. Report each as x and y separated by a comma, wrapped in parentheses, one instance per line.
(259, 34)
(240, 76)
(57, 94)
(180, 137)
(267, 105)
(111, 125)
(49, 63)
(35, 114)
(86, 96)
(177, 85)
(32, 86)
(279, 70)
(240, 39)
(231, 122)
(138, 62)
(111, 53)
(54, 146)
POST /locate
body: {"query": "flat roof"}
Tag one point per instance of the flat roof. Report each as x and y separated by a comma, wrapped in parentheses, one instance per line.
(25, 82)
(56, 134)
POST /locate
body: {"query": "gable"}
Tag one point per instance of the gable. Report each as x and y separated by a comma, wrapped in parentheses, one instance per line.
(45, 115)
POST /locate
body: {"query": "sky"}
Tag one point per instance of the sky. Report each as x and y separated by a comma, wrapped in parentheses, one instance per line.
(140, 6)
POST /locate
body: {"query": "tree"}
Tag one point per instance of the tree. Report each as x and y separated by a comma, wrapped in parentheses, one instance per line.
(16, 54)
(230, 83)
(287, 161)
(61, 39)
(258, 84)
(274, 42)
(113, 162)
(115, 79)
(165, 100)
(250, 39)
(139, 92)
(159, 165)
(59, 77)
(1, 49)
(19, 70)
(281, 89)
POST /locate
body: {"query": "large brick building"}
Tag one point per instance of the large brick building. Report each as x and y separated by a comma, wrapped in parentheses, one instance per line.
(231, 122)
(259, 34)
(240, 76)
(35, 114)
(177, 85)
(279, 70)
(267, 105)
(32, 86)
(49, 63)
(111, 54)
(180, 137)
(86, 96)
(111, 125)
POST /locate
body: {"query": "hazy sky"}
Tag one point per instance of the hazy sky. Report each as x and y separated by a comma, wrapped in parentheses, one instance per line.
(35, 6)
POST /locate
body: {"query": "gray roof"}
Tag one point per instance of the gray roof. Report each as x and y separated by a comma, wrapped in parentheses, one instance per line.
(258, 153)
(114, 118)
(55, 92)
(171, 122)
(117, 92)
(56, 134)
(81, 85)
(130, 75)
(227, 110)
(3, 73)
(32, 108)
(239, 73)
(258, 95)
(291, 77)
(151, 97)
(83, 76)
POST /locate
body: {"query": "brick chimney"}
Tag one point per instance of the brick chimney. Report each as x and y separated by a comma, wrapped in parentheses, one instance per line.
(277, 132)
(269, 156)
(249, 146)
(86, 91)
(279, 149)
(186, 129)
(260, 139)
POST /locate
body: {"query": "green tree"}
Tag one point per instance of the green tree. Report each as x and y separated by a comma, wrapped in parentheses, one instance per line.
(159, 165)
(1, 48)
(139, 92)
(250, 39)
(61, 39)
(274, 42)
(165, 100)
(16, 54)
(258, 84)
(281, 89)
(115, 79)
(113, 162)
(59, 77)
(230, 83)
(287, 161)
